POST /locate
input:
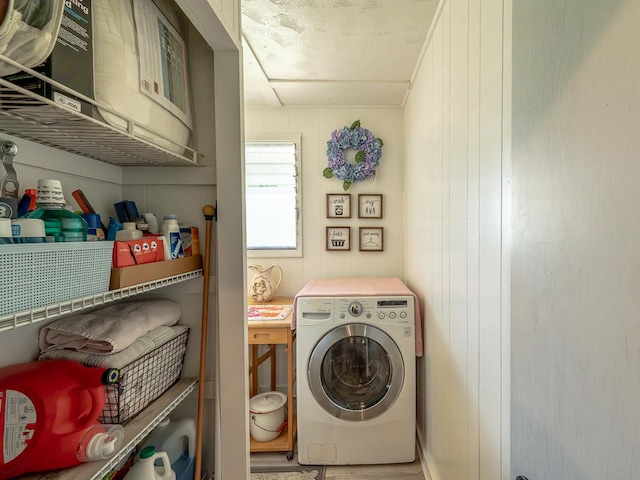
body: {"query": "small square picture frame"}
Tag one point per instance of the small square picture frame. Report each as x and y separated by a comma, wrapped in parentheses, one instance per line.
(369, 205)
(338, 205)
(371, 239)
(338, 239)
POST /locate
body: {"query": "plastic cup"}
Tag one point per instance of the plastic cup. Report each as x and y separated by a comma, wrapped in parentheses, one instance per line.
(6, 236)
(49, 192)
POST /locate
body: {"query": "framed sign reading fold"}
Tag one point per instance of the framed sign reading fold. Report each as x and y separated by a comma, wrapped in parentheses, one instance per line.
(338, 238)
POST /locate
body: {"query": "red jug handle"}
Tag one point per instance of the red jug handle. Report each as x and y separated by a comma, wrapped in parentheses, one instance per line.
(97, 404)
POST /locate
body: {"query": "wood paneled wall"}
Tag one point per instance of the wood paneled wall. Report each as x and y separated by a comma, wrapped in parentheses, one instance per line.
(454, 246)
(315, 126)
(575, 260)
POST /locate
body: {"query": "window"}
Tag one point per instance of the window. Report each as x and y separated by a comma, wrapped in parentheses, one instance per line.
(273, 198)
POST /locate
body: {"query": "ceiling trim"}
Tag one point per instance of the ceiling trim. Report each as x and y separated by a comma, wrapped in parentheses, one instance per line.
(400, 83)
(425, 46)
(262, 81)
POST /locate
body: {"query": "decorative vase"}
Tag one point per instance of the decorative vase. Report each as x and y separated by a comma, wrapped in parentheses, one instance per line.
(263, 286)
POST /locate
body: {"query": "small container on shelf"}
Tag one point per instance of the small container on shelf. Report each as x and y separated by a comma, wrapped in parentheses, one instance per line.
(171, 231)
(6, 235)
(94, 223)
(42, 274)
(128, 232)
(28, 230)
(60, 224)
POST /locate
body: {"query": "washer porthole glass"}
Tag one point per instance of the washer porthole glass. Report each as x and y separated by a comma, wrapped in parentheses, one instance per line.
(356, 372)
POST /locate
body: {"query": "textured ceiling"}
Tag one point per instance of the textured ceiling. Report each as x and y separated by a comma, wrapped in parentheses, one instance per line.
(332, 52)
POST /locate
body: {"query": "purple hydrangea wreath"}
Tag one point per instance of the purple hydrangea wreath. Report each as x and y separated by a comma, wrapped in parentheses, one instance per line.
(369, 152)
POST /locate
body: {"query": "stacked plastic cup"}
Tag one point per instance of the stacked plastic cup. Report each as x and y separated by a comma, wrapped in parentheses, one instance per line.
(6, 236)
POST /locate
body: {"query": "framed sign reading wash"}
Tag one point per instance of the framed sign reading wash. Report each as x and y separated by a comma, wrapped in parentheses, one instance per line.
(338, 205)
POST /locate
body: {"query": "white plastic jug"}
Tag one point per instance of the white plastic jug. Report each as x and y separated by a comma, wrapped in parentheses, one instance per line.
(145, 469)
(178, 439)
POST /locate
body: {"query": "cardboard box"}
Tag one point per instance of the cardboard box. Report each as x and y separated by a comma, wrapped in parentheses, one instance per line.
(70, 62)
(128, 276)
(190, 240)
(137, 252)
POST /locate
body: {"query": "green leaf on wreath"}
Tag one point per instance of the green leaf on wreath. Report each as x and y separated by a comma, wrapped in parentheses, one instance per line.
(355, 125)
(327, 173)
(346, 185)
(360, 156)
(380, 141)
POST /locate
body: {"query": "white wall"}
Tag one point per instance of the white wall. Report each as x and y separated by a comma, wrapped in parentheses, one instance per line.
(100, 182)
(453, 258)
(576, 261)
(315, 125)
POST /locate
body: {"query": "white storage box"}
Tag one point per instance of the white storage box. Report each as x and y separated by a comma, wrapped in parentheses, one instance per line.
(39, 274)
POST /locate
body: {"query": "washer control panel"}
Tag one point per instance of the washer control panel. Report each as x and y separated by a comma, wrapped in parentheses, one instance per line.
(381, 309)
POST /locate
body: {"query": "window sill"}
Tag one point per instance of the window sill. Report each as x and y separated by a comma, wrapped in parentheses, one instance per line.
(275, 253)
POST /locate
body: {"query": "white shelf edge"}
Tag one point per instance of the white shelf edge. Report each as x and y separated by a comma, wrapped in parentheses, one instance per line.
(29, 317)
(134, 432)
(31, 116)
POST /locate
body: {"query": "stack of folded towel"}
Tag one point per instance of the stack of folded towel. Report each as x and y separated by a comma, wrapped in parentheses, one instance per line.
(113, 337)
(120, 331)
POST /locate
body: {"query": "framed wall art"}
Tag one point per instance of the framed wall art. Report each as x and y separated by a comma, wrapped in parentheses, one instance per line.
(369, 205)
(338, 205)
(371, 239)
(338, 238)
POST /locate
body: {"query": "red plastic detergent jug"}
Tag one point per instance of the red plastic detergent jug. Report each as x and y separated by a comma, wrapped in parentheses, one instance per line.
(48, 416)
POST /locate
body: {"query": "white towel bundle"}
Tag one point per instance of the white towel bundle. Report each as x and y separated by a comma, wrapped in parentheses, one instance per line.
(111, 329)
(143, 345)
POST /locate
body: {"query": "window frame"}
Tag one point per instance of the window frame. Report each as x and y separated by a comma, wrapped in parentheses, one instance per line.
(296, 139)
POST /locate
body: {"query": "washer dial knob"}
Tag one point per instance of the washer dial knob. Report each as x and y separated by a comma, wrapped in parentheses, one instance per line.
(355, 309)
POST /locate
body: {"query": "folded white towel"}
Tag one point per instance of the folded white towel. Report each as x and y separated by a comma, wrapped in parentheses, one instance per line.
(111, 329)
(136, 350)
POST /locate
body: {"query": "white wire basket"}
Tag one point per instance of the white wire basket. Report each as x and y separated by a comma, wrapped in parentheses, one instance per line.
(39, 274)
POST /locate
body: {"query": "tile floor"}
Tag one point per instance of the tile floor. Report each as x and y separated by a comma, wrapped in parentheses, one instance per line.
(400, 471)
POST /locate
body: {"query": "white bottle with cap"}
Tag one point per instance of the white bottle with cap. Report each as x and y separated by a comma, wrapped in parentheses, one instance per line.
(100, 442)
(145, 468)
(178, 439)
(171, 231)
(128, 232)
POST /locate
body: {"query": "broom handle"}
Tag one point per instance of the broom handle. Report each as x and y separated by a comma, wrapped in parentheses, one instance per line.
(209, 212)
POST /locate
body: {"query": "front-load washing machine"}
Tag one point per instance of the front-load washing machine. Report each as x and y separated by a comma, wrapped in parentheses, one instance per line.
(355, 379)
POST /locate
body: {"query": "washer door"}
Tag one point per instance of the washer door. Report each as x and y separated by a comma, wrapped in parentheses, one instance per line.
(356, 372)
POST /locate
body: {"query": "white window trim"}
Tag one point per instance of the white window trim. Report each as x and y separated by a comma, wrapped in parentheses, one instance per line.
(296, 139)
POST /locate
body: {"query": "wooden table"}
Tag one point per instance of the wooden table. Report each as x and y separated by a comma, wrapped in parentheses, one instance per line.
(272, 333)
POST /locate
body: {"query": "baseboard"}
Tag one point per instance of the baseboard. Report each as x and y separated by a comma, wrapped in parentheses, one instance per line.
(424, 462)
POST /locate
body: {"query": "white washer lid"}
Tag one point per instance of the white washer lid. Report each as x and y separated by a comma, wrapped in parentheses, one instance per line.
(267, 402)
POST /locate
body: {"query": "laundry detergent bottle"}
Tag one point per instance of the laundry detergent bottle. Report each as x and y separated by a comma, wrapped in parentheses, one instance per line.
(48, 416)
(178, 439)
(151, 465)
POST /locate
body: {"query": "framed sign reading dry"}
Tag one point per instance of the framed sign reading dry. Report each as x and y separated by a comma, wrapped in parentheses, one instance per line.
(369, 205)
